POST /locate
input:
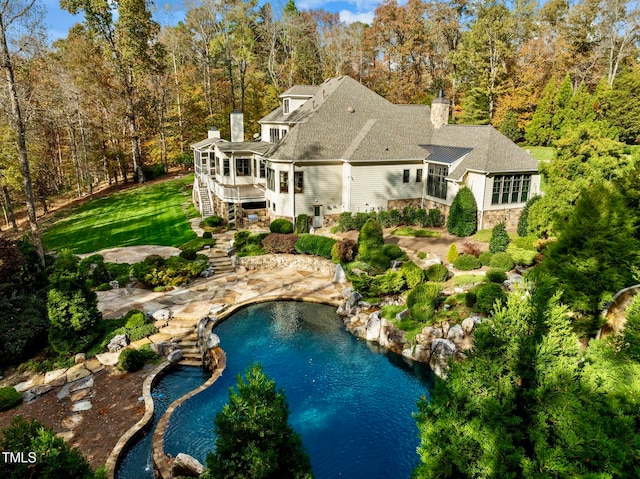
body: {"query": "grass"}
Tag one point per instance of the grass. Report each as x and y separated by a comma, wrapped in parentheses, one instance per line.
(483, 236)
(147, 215)
(541, 153)
(415, 232)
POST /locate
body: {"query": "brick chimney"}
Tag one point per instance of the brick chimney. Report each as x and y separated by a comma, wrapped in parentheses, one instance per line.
(439, 110)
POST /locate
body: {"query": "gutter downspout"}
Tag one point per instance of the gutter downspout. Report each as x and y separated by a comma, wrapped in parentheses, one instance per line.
(293, 192)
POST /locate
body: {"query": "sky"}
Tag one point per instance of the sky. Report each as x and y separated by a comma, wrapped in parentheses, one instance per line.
(170, 12)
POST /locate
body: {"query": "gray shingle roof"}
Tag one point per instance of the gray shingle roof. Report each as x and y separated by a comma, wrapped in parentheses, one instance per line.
(301, 90)
(491, 151)
(260, 147)
(204, 143)
(345, 120)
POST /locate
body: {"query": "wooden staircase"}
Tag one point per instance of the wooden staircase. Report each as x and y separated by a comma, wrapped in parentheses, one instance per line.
(205, 202)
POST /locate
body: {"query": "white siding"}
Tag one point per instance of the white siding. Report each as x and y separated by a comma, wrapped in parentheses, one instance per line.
(374, 185)
(477, 184)
(322, 183)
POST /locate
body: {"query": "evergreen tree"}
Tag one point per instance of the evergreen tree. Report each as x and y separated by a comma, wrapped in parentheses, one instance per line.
(523, 221)
(499, 239)
(623, 105)
(463, 215)
(253, 437)
(562, 102)
(524, 404)
(509, 127)
(540, 130)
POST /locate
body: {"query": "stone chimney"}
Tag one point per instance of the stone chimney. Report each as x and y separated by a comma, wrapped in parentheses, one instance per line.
(237, 126)
(213, 133)
(439, 110)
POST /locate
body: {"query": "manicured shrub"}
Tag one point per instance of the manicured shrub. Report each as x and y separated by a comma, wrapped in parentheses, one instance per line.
(315, 244)
(280, 243)
(392, 282)
(370, 238)
(281, 225)
(423, 313)
(525, 242)
(9, 398)
(437, 273)
(213, 221)
(424, 293)
(523, 221)
(463, 214)
(485, 258)
(412, 273)
(499, 239)
(470, 298)
(23, 325)
(496, 275)
(435, 217)
(409, 215)
(521, 256)
(131, 360)
(452, 254)
(488, 294)
(302, 224)
(466, 262)
(188, 254)
(378, 260)
(502, 261)
(384, 218)
(207, 235)
(361, 218)
(393, 251)
(422, 255)
(154, 260)
(345, 221)
(343, 251)
(135, 319)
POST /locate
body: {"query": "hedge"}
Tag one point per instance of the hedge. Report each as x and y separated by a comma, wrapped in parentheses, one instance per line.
(466, 262)
(281, 225)
(314, 244)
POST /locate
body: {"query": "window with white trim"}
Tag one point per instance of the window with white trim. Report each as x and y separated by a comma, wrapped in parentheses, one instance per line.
(437, 181)
(243, 167)
(298, 182)
(284, 182)
(274, 135)
(285, 106)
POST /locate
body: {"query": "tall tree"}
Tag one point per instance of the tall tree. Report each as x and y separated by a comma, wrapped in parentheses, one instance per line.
(253, 437)
(12, 14)
(129, 44)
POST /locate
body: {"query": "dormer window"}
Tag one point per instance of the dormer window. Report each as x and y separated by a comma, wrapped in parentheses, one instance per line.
(285, 106)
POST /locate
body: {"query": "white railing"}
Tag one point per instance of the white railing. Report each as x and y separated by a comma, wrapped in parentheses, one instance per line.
(236, 194)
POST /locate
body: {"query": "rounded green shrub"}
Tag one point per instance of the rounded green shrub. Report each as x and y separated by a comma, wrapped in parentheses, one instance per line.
(488, 295)
(189, 254)
(393, 251)
(378, 259)
(207, 235)
(281, 225)
(463, 214)
(315, 244)
(470, 299)
(213, 221)
(135, 319)
(392, 282)
(370, 237)
(424, 293)
(437, 273)
(412, 273)
(302, 224)
(154, 260)
(499, 239)
(100, 274)
(466, 262)
(496, 275)
(485, 258)
(502, 261)
(423, 313)
(131, 360)
(9, 398)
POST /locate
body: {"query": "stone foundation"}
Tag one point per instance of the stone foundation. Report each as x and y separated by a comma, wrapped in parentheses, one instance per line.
(400, 204)
(509, 217)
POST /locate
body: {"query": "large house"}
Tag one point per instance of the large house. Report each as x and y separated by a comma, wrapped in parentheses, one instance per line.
(341, 147)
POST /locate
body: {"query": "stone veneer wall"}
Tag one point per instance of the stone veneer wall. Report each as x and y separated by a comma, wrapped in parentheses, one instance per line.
(400, 204)
(510, 218)
(300, 262)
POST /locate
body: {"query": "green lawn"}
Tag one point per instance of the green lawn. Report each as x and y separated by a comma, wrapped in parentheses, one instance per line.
(150, 215)
(415, 232)
(541, 153)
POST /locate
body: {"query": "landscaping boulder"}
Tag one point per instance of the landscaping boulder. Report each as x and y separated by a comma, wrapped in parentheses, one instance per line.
(114, 284)
(56, 378)
(161, 315)
(175, 356)
(213, 341)
(117, 343)
(80, 358)
(418, 352)
(162, 348)
(468, 325)
(429, 334)
(456, 333)
(403, 314)
(36, 392)
(442, 350)
(185, 465)
(431, 262)
(108, 359)
(340, 276)
(372, 329)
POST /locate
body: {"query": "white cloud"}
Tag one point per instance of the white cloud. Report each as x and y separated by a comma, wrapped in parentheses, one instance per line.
(349, 17)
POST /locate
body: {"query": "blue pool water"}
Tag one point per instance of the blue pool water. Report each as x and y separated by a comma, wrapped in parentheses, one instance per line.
(137, 462)
(351, 402)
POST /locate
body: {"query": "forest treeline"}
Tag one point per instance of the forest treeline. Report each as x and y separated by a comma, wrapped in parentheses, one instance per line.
(121, 92)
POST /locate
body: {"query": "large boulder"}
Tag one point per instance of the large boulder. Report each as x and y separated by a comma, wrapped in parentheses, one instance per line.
(175, 356)
(185, 465)
(419, 352)
(456, 333)
(340, 276)
(467, 325)
(36, 392)
(429, 334)
(161, 315)
(118, 342)
(442, 350)
(373, 327)
(213, 341)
